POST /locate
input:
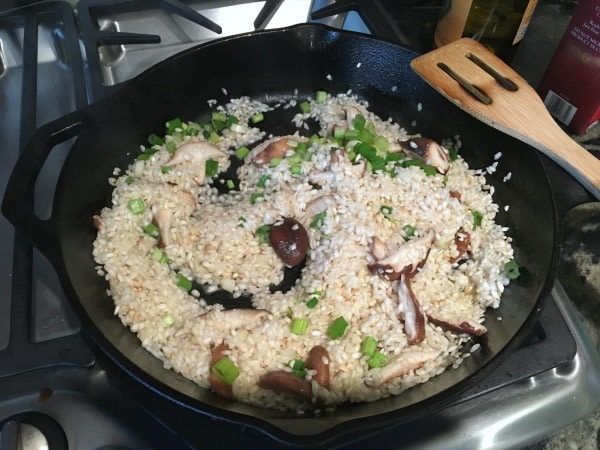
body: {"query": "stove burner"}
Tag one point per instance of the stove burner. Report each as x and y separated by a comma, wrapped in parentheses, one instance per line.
(93, 36)
(372, 12)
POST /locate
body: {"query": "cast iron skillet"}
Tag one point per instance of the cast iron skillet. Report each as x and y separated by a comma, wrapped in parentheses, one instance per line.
(270, 66)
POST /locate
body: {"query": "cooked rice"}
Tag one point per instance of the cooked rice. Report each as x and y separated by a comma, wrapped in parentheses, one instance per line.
(213, 241)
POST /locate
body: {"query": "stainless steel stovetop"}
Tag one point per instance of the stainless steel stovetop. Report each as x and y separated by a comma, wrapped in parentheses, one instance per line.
(52, 390)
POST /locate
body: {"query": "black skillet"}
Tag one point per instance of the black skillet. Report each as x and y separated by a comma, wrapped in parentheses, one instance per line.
(272, 66)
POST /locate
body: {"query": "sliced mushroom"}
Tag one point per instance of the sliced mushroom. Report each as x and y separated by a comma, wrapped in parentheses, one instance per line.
(378, 249)
(163, 218)
(406, 260)
(430, 151)
(410, 310)
(198, 153)
(286, 383)
(318, 360)
(319, 204)
(289, 239)
(97, 221)
(462, 240)
(456, 324)
(216, 383)
(409, 359)
(269, 149)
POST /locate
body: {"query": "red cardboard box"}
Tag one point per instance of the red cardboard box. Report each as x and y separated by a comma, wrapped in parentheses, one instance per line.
(570, 87)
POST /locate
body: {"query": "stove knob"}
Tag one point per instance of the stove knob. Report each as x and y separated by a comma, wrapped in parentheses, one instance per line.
(32, 431)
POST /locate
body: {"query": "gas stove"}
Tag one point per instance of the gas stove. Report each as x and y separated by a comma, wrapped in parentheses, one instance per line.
(54, 392)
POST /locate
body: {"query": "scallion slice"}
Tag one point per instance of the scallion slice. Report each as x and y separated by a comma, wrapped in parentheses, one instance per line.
(299, 326)
(152, 230)
(274, 162)
(377, 359)
(226, 370)
(230, 184)
(153, 139)
(263, 181)
(477, 218)
(184, 283)
(254, 197)
(262, 233)
(304, 107)
(409, 231)
(211, 167)
(429, 170)
(136, 206)
(156, 254)
(386, 210)
(129, 180)
(298, 367)
(317, 219)
(168, 320)
(242, 152)
(258, 117)
(314, 301)
(320, 97)
(369, 345)
(511, 270)
(337, 328)
(173, 125)
(165, 169)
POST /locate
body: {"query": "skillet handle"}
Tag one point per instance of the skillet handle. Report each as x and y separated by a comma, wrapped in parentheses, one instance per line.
(17, 205)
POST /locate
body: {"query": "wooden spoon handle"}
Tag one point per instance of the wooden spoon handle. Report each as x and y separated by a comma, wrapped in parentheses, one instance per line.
(567, 153)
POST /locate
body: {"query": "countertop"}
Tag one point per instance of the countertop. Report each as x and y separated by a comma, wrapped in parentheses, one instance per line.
(579, 268)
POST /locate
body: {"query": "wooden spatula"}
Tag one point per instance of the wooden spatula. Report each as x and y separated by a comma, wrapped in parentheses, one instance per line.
(481, 84)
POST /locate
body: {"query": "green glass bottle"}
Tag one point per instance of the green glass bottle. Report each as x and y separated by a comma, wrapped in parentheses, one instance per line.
(498, 24)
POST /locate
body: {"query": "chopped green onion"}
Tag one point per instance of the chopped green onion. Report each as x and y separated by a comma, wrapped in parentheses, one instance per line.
(429, 170)
(304, 107)
(238, 128)
(144, 156)
(366, 151)
(317, 220)
(173, 125)
(350, 134)
(165, 169)
(296, 158)
(365, 136)
(296, 169)
(386, 210)
(262, 233)
(337, 328)
(129, 180)
(263, 181)
(213, 137)
(254, 197)
(369, 345)
(453, 153)
(511, 270)
(156, 254)
(184, 283)
(168, 320)
(217, 116)
(477, 217)
(314, 301)
(242, 152)
(298, 367)
(377, 359)
(299, 326)
(153, 139)
(411, 162)
(231, 121)
(136, 206)
(409, 231)
(226, 370)
(378, 163)
(359, 122)
(320, 97)
(394, 156)
(301, 147)
(171, 146)
(152, 230)
(230, 184)
(339, 132)
(381, 144)
(258, 117)
(211, 167)
(242, 221)
(274, 162)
